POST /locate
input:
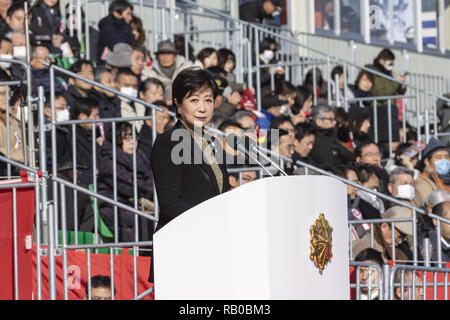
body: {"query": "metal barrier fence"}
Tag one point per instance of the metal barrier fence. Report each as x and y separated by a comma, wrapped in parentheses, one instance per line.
(416, 287)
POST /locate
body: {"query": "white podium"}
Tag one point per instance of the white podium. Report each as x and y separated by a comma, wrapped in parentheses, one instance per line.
(253, 243)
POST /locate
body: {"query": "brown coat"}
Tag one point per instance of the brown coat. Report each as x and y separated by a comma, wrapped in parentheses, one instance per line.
(15, 134)
(378, 244)
(425, 185)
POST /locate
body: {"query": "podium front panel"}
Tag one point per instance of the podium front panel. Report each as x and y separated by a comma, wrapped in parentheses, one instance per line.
(254, 243)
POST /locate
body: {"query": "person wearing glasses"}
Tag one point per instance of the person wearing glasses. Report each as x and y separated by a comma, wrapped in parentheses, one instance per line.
(327, 150)
(382, 236)
(370, 153)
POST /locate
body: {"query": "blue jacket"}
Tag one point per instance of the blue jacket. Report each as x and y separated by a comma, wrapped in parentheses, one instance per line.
(266, 121)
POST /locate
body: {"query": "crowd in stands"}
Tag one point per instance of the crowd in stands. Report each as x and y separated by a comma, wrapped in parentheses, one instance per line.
(323, 135)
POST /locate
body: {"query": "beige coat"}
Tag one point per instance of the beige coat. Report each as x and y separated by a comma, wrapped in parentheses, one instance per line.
(155, 72)
(16, 148)
(128, 110)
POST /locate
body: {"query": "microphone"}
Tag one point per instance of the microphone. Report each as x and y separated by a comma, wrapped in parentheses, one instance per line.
(247, 146)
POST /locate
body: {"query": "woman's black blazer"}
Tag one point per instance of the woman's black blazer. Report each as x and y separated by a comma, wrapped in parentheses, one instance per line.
(181, 186)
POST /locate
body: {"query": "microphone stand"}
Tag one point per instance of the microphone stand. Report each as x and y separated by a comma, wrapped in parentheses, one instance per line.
(255, 148)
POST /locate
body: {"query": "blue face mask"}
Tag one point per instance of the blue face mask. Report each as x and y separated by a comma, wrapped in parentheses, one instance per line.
(442, 167)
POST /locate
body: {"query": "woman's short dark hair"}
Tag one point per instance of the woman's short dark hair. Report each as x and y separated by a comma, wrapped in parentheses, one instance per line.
(122, 128)
(304, 129)
(206, 52)
(385, 54)
(338, 70)
(119, 6)
(284, 88)
(146, 84)
(266, 43)
(366, 73)
(82, 106)
(191, 80)
(225, 55)
(303, 94)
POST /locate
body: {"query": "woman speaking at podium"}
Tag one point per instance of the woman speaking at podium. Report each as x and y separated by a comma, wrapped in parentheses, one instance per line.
(184, 165)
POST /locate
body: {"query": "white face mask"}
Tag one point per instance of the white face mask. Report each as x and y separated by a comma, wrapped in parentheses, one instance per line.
(62, 115)
(268, 54)
(389, 67)
(132, 92)
(18, 115)
(406, 192)
(285, 110)
(5, 65)
(20, 53)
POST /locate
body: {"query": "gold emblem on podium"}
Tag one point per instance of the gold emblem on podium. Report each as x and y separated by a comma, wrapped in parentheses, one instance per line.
(321, 242)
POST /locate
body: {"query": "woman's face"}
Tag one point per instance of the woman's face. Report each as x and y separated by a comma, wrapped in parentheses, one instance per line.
(365, 126)
(127, 144)
(153, 93)
(230, 65)
(353, 177)
(211, 61)
(197, 109)
(365, 84)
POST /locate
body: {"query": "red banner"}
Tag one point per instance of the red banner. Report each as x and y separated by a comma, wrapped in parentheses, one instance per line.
(77, 274)
(25, 217)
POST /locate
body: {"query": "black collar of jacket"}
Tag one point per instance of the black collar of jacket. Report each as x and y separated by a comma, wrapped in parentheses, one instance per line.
(205, 167)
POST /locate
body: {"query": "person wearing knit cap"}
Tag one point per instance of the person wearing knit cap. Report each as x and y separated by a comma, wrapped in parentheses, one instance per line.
(435, 168)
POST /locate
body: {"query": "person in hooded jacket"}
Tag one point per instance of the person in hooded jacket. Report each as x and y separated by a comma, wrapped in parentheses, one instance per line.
(115, 28)
(125, 184)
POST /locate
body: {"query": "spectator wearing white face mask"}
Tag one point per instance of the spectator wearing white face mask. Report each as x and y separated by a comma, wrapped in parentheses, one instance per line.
(6, 52)
(63, 134)
(401, 185)
(128, 84)
(267, 52)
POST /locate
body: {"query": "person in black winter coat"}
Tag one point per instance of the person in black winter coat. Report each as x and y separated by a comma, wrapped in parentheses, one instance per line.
(40, 72)
(108, 102)
(46, 21)
(256, 11)
(115, 27)
(125, 184)
(327, 150)
(86, 109)
(63, 133)
(79, 89)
